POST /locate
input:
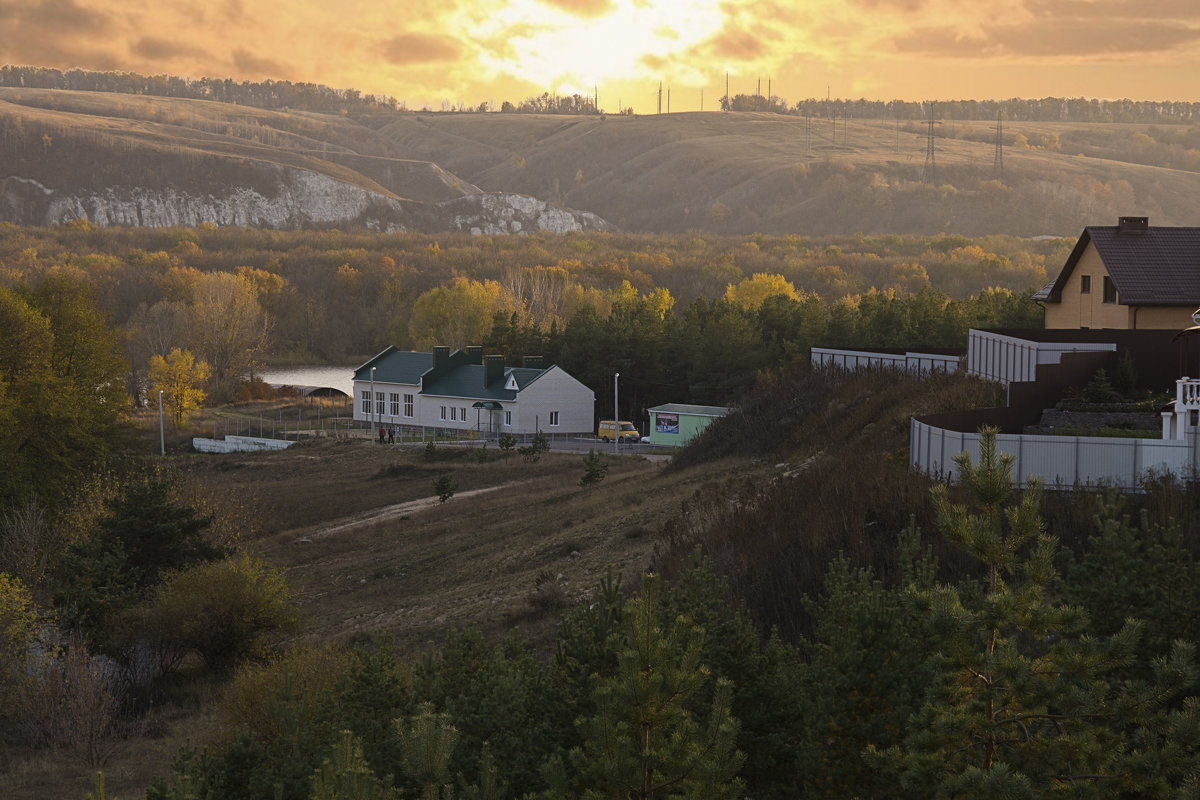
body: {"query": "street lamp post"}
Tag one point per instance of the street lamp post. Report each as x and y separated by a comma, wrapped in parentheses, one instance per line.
(616, 416)
(372, 402)
(162, 441)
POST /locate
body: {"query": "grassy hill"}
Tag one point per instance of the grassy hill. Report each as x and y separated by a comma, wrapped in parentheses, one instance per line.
(732, 173)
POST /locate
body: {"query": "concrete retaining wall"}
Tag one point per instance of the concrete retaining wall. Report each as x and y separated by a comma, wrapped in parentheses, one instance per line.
(238, 444)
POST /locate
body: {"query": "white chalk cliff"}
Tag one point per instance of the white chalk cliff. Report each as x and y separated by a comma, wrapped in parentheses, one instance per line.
(302, 199)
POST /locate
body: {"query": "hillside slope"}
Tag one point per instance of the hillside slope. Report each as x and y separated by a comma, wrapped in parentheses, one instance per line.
(741, 173)
(133, 159)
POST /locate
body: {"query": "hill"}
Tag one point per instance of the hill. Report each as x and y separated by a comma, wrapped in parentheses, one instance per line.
(134, 159)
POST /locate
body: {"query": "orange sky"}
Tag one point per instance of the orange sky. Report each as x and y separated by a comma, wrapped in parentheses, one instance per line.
(436, 52)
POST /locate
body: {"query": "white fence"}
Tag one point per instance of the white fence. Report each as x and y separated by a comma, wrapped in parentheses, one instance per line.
(1009, 359)
(916, 363)
(1059, 460)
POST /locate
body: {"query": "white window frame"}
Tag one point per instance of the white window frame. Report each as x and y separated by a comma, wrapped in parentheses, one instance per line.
(443, 412)
(394, 404)
(379, 403)
(553, 419)
(508, 419)
(366, 402)
(408, 405)
(462, 413)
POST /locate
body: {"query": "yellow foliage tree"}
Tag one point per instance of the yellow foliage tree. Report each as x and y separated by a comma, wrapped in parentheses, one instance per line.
(751, 292)
(457, 315)
(179, 377)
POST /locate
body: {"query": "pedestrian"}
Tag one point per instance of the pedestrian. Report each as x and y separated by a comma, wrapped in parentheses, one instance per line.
(392, 435)
(382, 434)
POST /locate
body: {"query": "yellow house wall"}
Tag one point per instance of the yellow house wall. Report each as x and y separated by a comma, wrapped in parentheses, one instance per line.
(1170, 318)
(1078, 310)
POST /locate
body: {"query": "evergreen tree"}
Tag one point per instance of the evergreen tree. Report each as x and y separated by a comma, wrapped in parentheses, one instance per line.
(1025, 703)
(642, 739)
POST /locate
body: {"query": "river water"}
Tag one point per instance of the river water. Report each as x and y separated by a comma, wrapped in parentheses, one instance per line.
(334, 377)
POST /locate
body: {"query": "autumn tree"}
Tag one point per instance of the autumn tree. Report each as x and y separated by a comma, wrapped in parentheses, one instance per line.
(230, 330)
(751, 292)
(179, 377)
(62, 400)
(457, 315)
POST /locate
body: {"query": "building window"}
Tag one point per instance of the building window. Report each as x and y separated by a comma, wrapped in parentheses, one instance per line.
(508, 419)
(453, 414)
(462, 413)
(379, 403)
(394, 401)
(443, 412)
(408, 405)
(553, 418)
(1110, 290)
(366, 403)
(1085, 284)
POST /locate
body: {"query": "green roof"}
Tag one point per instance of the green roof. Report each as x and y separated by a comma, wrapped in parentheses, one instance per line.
(695, 411)
(396, 366)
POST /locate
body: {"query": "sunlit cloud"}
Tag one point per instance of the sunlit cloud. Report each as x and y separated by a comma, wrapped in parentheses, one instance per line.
(471, 50)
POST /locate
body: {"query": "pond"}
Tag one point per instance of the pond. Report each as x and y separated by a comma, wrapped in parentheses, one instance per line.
(341, 378)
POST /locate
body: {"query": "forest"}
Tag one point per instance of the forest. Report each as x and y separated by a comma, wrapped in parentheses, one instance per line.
(273, 94)
(685, 318)
(833, 626)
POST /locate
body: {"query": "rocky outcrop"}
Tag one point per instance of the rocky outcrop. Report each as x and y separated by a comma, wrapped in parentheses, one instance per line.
(299, 199)
(502, 213)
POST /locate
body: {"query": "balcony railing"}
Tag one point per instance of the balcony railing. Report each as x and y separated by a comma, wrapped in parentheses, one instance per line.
(1187, 393)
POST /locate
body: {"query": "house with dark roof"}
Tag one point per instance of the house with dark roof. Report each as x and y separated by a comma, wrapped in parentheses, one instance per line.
(466, 391)
(1130, 276)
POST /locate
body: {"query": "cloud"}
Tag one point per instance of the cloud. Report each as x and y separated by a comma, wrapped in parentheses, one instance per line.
(57, 16)
(1115, 9)
(158, 49)
(736, 44)
(419, 48)
(251, 65)
(582, 8)
(1097, 39)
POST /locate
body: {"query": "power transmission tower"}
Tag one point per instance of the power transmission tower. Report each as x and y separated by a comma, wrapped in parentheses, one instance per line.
(930, 159)
(998, 163)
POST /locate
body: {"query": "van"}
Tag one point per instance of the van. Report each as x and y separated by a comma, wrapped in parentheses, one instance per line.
(607, 429)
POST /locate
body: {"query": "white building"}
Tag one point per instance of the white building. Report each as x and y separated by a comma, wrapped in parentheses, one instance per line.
(467, 391)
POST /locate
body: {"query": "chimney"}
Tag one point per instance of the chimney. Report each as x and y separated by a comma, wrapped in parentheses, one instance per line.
(475, 355)
(441, 357)
(533, 362)
(1133, 224)
(493, 369)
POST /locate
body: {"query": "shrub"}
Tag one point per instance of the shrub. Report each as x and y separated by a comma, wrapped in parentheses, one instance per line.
(222, 611)
(445, 486)
(594, 467)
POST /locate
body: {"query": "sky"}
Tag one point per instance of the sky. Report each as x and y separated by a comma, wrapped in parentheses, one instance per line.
(439, 53)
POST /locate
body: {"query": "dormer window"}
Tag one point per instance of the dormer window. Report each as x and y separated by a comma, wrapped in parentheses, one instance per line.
(511, 385)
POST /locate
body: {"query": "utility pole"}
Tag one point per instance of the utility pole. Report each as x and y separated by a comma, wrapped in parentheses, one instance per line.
(728, 99)
(998, 163)
(659, 97)
(930, 159)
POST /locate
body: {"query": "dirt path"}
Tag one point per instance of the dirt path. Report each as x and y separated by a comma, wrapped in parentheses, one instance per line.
(385, 513)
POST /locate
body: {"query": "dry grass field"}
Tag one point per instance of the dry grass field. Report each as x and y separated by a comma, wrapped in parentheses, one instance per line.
(367, 549)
